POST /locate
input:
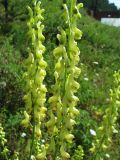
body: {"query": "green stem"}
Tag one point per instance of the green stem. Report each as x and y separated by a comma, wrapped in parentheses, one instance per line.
(71, 10)
(6, 157)
(33, 134)
(94, 158)
(70, 26)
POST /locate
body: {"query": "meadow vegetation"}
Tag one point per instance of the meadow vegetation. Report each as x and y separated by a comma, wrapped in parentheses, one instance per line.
(97, 131)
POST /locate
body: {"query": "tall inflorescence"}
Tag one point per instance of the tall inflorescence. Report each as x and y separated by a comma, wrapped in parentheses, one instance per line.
(35, 89)
(62, 105)
(104, 134)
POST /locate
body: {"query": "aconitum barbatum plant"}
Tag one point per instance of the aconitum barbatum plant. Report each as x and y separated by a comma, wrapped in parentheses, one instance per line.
(35, 89)
(103, 138)
(62, 105)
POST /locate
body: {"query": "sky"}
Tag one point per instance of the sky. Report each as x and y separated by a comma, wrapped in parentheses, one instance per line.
(117, 2)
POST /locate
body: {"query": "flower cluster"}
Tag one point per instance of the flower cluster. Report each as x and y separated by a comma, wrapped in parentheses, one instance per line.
(35, 88)
(79, 153)
(62, 110)
(103, 138)
(3, 148)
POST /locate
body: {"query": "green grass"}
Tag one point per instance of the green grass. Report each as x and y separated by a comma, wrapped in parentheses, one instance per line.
(100, 43)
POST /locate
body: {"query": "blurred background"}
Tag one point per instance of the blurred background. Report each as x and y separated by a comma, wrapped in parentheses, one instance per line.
(107, 11)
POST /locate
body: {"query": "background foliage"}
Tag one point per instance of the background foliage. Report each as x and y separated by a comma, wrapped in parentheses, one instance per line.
(100, 57)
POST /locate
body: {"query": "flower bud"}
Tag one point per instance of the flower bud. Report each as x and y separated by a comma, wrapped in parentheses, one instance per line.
(52, 121)
(39, 54)
(74, 110)
(58, 52)
(77, 33)
(42, 63)
(40, 35)
(62, 37)
(25, 122)
(37, 130)
(104, 147)
(64, 154)
(42, 155)
(76, 72)
(69, 137)
(53, 99)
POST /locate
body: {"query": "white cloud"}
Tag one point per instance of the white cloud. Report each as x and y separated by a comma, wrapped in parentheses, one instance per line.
(117, 2)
